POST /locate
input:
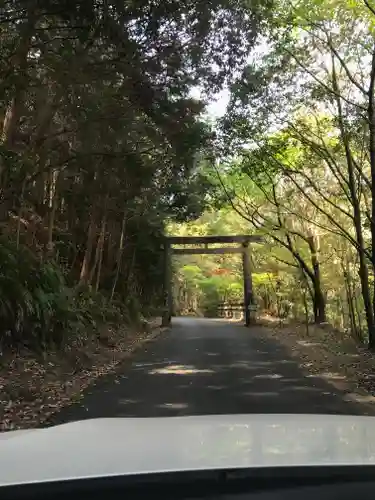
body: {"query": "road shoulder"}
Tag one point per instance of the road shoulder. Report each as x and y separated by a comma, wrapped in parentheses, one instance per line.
(34, 388)
(331, 356)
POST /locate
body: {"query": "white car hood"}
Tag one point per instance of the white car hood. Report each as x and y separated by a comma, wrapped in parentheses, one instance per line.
(120, 446)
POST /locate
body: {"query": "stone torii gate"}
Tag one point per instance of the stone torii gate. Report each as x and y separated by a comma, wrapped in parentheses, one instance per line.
(187, 241)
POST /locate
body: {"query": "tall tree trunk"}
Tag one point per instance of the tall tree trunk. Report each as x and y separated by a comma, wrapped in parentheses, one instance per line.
(84, 276)
(101, 247)
(357, 215)
(98, 250)
(14, 109)
(371, 122)
(350, 301)
(20, 213)
(318, 299)
(306, 309)
(53, 203)
(119, 256)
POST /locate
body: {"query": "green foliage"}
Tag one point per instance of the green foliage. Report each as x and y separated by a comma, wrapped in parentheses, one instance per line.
(90, 310)
(300, 128)
(35, 305)
(38, 310)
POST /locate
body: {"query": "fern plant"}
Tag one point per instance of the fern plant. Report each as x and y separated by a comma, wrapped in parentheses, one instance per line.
(35, 306)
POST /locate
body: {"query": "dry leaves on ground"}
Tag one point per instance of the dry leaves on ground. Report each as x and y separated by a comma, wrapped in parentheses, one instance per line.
(32, 389)
(333, 355)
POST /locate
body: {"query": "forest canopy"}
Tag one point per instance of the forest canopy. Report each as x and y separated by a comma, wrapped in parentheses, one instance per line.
(296, 159)
(100, 146)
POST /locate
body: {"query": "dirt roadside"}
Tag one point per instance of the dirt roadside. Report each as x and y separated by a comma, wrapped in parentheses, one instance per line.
(34, 388)
(330, 355)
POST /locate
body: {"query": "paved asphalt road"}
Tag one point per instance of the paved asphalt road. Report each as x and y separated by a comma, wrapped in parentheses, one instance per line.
(203, 366)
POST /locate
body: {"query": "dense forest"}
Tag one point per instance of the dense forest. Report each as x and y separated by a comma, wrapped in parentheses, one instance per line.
(103, 149)
(100, 147)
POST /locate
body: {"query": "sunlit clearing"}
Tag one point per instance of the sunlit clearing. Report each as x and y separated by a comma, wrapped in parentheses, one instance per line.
(178, 370)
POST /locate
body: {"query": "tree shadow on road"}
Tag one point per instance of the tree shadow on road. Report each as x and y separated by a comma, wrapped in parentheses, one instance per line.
(212, 374)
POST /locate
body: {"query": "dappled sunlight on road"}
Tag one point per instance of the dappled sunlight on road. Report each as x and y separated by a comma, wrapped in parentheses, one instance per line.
(173, 406)
(305, 388)
(128, 401)
(201, 367)
(179, 370)
(327, 376)
(257, 394)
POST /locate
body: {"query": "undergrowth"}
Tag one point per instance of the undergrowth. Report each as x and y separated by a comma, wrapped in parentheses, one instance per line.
(37, 308)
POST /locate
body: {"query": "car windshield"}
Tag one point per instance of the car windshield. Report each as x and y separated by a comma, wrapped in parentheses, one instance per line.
(187, 229)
